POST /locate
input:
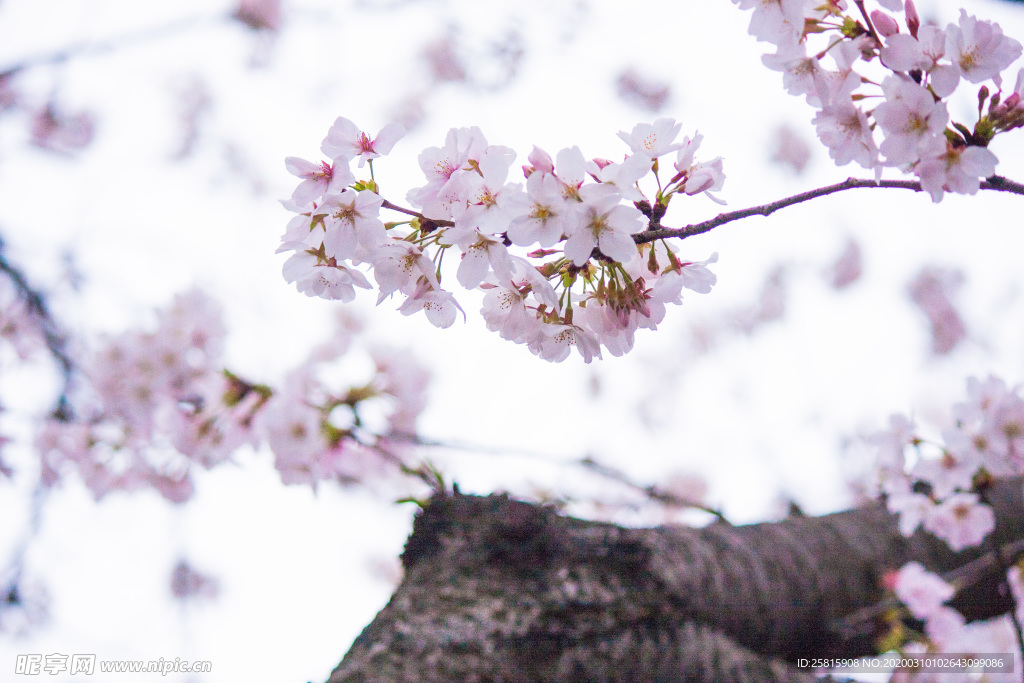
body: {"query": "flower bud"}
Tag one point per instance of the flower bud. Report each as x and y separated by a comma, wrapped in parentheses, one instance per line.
(884, 24)
(913, 21)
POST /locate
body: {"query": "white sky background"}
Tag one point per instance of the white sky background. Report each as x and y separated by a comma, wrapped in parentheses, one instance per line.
(760, 417)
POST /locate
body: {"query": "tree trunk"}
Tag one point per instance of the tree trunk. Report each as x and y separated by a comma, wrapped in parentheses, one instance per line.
(502, 591)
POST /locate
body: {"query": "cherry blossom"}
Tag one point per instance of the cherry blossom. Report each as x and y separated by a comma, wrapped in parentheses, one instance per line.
(546, 216)
(345, 141)
(913, 121)
(980, 49)
(605, 224)
(957, 169)
(961, 520)
(653, 140)
(438, 305)
(920, 590)
(318, 180)
(350, 220)
(922, 52)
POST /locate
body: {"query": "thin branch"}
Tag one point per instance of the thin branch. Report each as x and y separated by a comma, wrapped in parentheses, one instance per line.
(962, 577)
(416, 214)
(867, 20)
(53, 336)
(652, 492)
(109, 45)
(996, 183)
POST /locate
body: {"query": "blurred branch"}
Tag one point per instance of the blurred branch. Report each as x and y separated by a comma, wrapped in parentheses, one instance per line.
(108, 45)
(586, 462)
(53, 336)
(653, 491)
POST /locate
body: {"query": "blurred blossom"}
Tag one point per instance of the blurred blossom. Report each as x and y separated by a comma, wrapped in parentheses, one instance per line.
(259, 14)
(848, 267)
(187, 583)
(932, 290)
(8, 95)
(444, 62)
(642, 92)
(790, 149)
(59, 132)
(771, 304)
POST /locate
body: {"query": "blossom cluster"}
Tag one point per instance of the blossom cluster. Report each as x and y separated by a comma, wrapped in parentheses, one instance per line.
(883, 100)
(943, 629)
(150, 407)
(940, 485)
(559, 257)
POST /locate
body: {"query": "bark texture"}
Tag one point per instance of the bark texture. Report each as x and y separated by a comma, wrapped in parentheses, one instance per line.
(502, 591)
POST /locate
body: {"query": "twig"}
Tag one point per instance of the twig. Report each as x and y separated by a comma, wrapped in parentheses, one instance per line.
(587, 462)
(653, 491)
(111, 44)
(962, 577)
(52, 334)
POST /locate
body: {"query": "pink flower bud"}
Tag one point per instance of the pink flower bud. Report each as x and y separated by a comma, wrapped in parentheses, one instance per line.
(913, 21)
(884, 24)
(541, 161)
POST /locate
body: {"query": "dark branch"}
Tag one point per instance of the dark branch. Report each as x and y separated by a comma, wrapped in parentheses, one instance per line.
(53, 336)
(996, 183)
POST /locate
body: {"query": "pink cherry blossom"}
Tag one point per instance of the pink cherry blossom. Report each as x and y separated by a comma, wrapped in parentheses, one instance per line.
(844, 129)
(438, 305)
(345, 141)
(554, 342)
(622, 176)
(605, 224)
(485, 255)
(912, 120)
(350, 220)
(920, 590)
(922, 52)
(958, 169)
(912, 508)
(979, 48)
(961, 520)
(314, 277)
(543, 214)
(399, 265)
(775, 21)
(653, 140)
(440, 166)
(317, 180)
(800, 73)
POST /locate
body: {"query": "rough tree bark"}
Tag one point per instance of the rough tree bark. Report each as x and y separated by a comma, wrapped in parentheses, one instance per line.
(501, 591)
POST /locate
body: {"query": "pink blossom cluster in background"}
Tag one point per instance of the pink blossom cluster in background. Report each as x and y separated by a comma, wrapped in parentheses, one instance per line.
(147, 408)
(940, 486)
(882, 102)
(579, 280)
(944, 629)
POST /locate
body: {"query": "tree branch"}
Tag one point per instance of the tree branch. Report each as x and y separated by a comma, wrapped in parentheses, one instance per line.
(996, 183)
(53, 336)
